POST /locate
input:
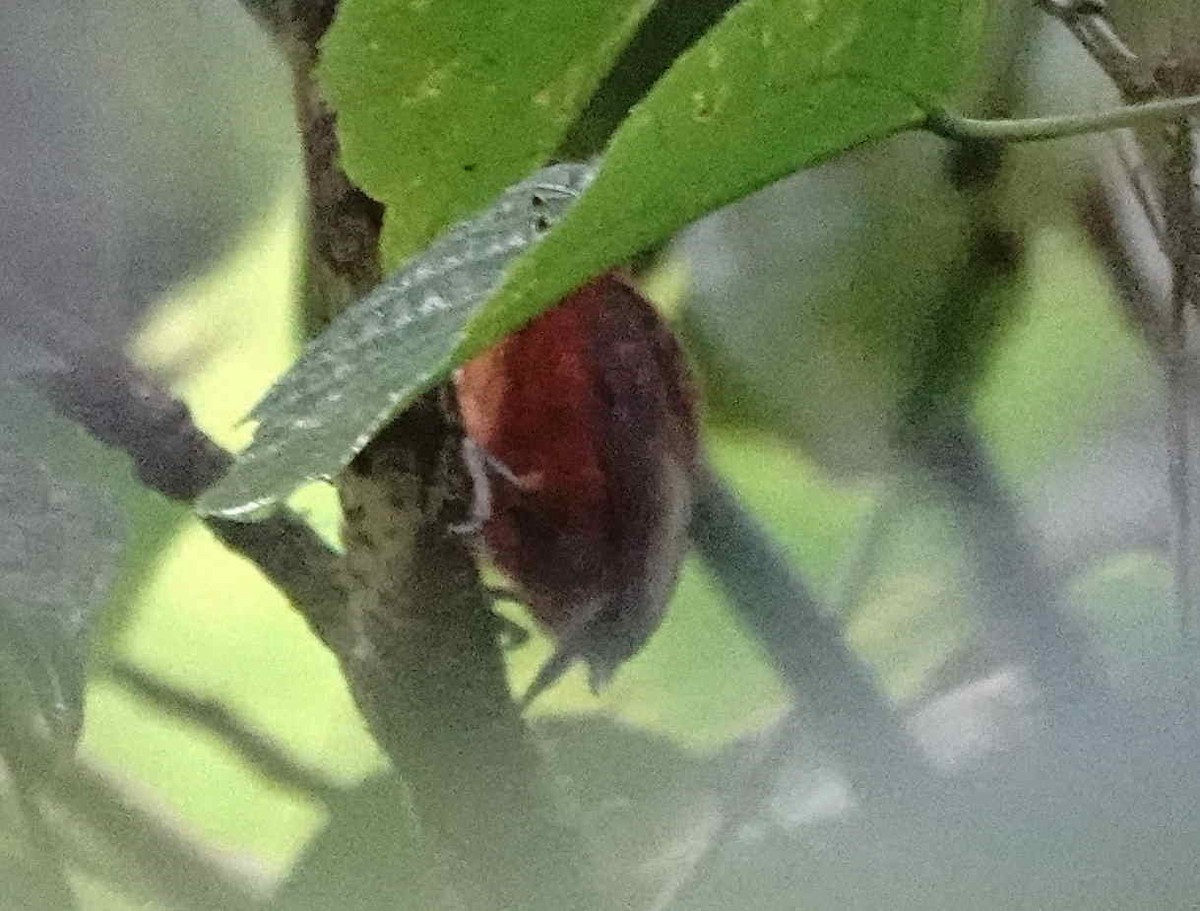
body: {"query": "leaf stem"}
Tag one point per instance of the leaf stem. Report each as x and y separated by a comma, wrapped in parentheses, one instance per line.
(950, 125)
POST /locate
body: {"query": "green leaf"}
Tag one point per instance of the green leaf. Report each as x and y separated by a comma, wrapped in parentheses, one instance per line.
(777, 86)
(59, 545)
(668, 30)
(385, 349)
(442, 105)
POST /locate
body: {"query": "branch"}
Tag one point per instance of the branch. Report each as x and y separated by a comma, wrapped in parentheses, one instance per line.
(428, 713)
(1182, 212)
(118, 404)
(254, 748)
(428, 673)
(1019, 607)
(1139, 270)
(1141, 181)
(423, 659)
(296, 25)
(1088, 22)
(743, 801)
(854, 719)
(41, 869)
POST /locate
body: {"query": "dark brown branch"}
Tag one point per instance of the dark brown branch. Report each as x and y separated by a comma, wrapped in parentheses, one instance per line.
(297, 25)
(343, 223)
(429, 676)
(120, 405)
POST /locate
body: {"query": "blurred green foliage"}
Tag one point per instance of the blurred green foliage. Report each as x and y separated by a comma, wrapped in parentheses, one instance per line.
(204, 620)
(805, 372)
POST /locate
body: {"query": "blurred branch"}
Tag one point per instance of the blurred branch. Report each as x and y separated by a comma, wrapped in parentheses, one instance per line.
(1088, 21)
(166, 865)
(1020, 606)
(863, 563)
(297, 25)
(1176, 77)
(117, 403)
(255, 749)
(1141, 181)
(1181, 201)
(1138, 267)
(45, 870)
(854, 719)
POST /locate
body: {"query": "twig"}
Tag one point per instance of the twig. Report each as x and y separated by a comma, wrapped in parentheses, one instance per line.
(855, 720)
(1088, 22)
(254, 748)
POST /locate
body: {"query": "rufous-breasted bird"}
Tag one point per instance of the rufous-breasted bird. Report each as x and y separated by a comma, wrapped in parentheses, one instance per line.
(588, 417)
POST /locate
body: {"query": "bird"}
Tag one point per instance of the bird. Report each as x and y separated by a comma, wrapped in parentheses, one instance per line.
(583, 433)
